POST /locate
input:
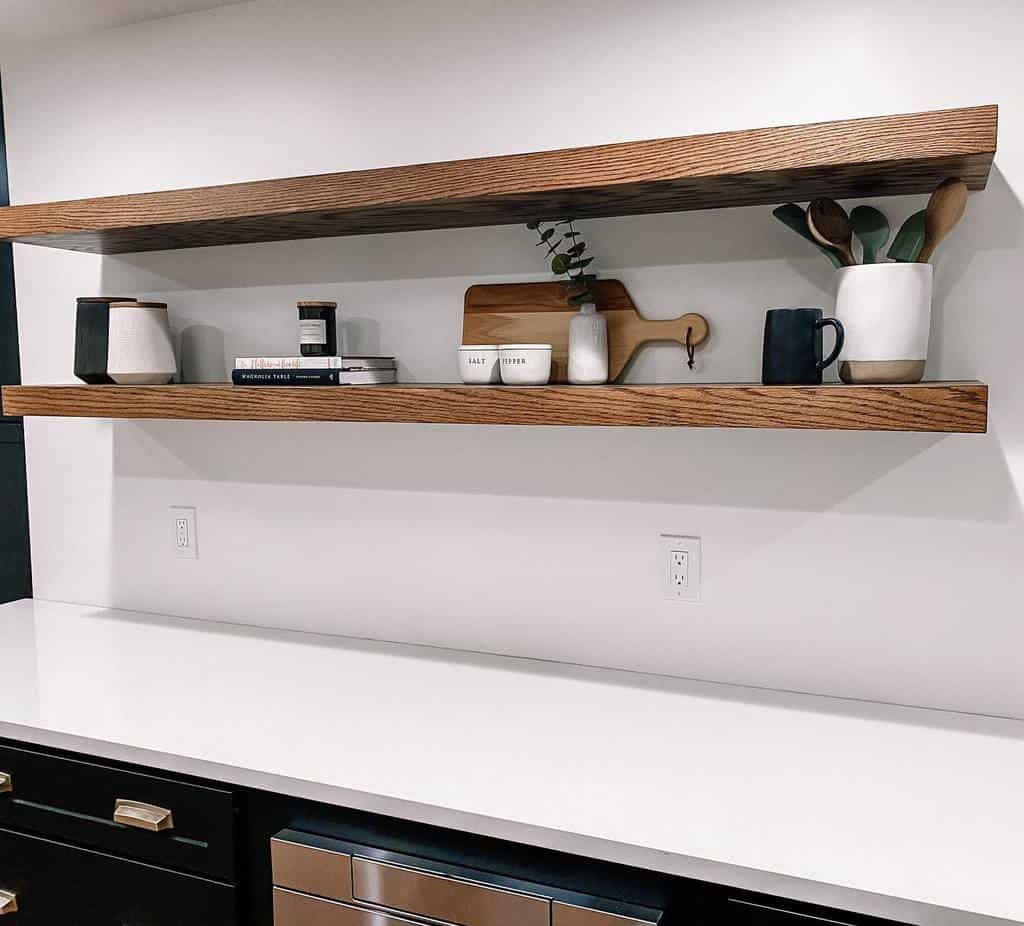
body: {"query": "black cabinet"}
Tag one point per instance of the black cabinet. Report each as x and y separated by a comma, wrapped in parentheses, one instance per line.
(15, 577)
(75, 801)
(59, 885)
(760, 910)
(87, 843)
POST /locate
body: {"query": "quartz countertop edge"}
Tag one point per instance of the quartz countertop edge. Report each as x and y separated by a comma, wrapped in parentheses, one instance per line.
(904, 813)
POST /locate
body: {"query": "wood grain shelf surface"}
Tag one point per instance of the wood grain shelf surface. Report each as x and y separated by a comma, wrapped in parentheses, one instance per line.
(878, 156)
(937, 407)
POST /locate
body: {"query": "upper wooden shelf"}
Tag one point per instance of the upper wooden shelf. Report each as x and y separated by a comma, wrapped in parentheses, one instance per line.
(937, 407)
(879, 156)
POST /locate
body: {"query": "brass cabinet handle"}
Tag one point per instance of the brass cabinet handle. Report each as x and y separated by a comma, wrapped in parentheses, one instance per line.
(143, 816)
(8, 902)
(6, 782)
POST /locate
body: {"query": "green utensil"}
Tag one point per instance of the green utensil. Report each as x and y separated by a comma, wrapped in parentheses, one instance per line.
(909, 239)
(795, 218)
(872, 230)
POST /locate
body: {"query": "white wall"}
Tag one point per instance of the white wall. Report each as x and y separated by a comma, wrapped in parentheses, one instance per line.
(866, 565)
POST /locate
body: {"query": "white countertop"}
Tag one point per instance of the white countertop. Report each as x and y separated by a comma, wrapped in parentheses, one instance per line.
(900, 812)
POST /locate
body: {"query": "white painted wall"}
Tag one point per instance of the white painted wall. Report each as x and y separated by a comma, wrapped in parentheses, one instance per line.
(866, 565)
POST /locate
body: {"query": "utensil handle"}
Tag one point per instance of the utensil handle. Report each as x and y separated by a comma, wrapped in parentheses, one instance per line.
(840, 340)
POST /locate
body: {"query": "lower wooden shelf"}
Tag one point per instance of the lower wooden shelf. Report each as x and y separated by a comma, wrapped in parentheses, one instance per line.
(960, 407)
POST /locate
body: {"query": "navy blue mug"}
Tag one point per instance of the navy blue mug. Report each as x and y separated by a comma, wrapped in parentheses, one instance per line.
(793, 347)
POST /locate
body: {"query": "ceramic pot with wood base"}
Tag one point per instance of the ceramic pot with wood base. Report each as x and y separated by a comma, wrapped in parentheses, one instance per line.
(886, 311)
(124, 342)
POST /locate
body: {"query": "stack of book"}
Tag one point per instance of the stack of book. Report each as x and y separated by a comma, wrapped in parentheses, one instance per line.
(314, 371)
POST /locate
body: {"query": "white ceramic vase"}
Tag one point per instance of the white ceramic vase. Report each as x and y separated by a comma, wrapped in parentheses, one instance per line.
(588, 347)
(886, 311)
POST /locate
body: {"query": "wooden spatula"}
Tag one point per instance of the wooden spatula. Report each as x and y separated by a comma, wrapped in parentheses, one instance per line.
(945, 208)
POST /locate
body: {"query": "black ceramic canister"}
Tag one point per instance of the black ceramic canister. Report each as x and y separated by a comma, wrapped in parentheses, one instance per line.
(92, 330)
(318, 329)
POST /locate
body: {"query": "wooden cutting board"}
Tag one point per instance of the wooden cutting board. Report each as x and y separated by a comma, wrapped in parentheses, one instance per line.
(538, 313)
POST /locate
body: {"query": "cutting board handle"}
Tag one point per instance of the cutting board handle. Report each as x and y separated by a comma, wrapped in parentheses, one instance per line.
(674, 329)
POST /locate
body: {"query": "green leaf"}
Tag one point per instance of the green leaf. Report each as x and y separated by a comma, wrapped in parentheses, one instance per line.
(533, 226)
(559, 264)
(572, 234)
(546, 234)
(909, 239)
(581, 264)
(577, 249)
(581, 298)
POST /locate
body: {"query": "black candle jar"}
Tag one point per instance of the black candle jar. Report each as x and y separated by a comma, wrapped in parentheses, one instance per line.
(318, 329)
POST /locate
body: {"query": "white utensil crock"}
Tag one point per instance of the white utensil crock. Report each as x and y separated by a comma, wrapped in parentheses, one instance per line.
(886, 311)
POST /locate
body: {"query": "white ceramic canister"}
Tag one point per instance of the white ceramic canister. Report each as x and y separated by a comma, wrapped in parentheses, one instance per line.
(140, 350)
(588, 347)
(886, 311)
(525, 364)
(478, 364)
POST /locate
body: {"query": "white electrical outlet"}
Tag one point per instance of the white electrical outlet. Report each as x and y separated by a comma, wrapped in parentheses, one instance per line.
(186, 541)
(680, 566)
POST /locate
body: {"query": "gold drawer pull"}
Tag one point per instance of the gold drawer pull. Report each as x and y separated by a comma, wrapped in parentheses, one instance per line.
(8, 902)
(6, 783)
(143, 816)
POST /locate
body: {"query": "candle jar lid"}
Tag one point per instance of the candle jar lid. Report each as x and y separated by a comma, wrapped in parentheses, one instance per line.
(314, 304)
(133, 304)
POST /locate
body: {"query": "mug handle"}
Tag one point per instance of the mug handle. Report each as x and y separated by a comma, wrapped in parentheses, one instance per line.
(840, 339)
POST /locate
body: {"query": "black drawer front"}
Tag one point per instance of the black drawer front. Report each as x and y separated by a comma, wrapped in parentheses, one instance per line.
(767, 912)
(73, 801)
(58, 885)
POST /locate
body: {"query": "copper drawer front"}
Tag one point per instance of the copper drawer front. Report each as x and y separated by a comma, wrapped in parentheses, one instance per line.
(311, 869)
(291, 909)
(463, 903)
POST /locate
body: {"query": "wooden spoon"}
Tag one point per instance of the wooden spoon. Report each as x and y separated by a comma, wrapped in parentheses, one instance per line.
(945, 208)
(828, 222)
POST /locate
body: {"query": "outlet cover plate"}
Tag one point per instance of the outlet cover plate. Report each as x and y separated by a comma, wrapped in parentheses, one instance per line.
(672, 567)
(183, 532)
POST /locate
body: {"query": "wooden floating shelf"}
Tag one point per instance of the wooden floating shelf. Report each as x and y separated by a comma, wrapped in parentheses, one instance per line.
(939, 407)
(880, 156)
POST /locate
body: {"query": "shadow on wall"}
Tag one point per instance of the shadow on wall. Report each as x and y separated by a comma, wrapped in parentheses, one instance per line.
(791, 471)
